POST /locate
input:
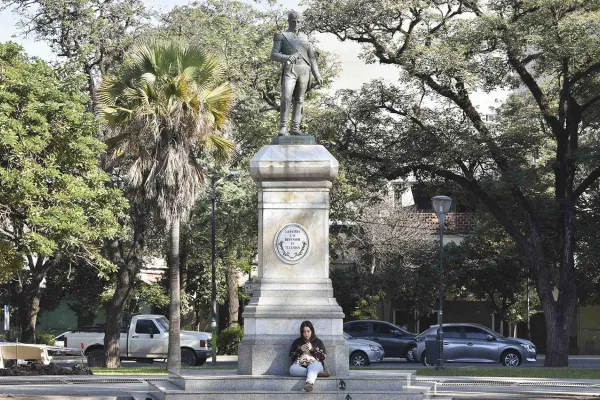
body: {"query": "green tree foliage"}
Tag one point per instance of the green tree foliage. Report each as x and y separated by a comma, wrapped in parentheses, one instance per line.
(168, 107)
(367, 308)
(531, 181)
(236, 232)
(386, 249)
(57, 205)
(91, 36)
(488, 265)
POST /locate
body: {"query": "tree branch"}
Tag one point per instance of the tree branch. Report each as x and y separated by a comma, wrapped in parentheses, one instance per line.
(471, 185)
(533, 87)
(582, 74)
(587, 182)
(7, 234)
(589, 103)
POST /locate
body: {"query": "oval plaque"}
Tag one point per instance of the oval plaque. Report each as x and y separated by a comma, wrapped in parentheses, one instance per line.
(292, 243)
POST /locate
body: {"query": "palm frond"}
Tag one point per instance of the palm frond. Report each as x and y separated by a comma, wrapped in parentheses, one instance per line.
(218, 102)
(167, 104)
(220, 147)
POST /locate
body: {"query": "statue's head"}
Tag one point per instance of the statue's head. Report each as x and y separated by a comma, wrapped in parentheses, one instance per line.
(295, 19)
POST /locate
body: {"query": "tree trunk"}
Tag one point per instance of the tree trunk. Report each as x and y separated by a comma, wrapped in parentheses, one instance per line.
(183, 261)
(28, 301)
(28, 296)
(174, 356)
(115, 311)
(558, 315)
(125, 282)
(232, 289)
(558, 327)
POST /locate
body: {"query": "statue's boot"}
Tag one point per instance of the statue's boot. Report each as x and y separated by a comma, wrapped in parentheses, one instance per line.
(296, 118)
(284, 112)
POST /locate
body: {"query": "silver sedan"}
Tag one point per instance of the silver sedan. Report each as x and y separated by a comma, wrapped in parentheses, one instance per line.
(477, 343)
(363, 352)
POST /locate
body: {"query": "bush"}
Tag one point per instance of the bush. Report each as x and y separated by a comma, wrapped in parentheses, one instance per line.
(36, 368)
(44, 338)
(10, 336)
(228, 340)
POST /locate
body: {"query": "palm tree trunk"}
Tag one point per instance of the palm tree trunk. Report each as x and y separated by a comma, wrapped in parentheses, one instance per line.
(232, 289)
(174, 356)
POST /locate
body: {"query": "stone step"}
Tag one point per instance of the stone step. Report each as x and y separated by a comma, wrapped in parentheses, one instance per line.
(315, 395)
(292, 384)
(161, 388)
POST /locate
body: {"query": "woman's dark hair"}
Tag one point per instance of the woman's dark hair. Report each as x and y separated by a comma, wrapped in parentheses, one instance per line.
(312, 330)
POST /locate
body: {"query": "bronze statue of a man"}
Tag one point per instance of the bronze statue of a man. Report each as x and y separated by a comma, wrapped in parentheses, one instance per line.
(293, 49)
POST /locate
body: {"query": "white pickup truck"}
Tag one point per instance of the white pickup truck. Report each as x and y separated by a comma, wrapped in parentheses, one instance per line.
(144, 338)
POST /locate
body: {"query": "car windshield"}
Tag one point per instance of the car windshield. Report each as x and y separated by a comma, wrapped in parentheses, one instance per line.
(163, 322)
(430, 331)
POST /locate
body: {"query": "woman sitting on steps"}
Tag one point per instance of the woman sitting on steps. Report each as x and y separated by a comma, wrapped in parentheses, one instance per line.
(308, 356)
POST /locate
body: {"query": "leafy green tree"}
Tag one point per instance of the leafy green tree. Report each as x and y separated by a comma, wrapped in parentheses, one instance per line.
(390, 250)
(57, 204)
(367, 307)
(92, 36)
(235, 233)
(531, 181)
(488, 265)
(167, 106)
(88, 36)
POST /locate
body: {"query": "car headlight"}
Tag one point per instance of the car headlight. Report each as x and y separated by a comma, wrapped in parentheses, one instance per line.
(529, 347)
(374, 348)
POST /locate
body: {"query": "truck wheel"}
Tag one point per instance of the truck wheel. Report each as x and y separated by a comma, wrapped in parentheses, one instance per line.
(188, 358)
(200, 362)
(95, 358)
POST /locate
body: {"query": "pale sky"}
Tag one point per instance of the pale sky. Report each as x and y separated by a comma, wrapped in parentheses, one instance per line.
(354, 72)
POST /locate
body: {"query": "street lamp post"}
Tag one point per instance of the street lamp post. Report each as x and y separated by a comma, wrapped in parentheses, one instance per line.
(441, 206)
(213, 323)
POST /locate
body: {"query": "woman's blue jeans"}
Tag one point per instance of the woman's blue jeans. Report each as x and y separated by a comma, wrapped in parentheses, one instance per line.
(310, 372)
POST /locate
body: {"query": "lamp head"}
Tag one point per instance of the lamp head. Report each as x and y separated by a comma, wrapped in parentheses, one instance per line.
(441, 206)
(213, 323)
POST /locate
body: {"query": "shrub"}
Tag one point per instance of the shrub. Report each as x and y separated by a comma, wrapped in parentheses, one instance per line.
(228, 340)
(10, 336)
(44, 338)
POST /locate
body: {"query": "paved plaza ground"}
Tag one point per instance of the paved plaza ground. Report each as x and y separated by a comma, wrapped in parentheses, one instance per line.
(231, 361)
(120, 387)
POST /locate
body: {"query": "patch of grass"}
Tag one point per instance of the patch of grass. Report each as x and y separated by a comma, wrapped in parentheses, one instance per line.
(150, 370)
(550, 373)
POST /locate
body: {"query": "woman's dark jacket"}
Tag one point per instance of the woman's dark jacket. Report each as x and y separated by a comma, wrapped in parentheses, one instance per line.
(318, 349)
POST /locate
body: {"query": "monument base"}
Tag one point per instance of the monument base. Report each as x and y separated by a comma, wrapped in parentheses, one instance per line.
(271, 356)
(294, 140)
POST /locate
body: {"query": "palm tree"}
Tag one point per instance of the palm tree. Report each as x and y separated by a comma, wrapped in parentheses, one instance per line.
(167, 107)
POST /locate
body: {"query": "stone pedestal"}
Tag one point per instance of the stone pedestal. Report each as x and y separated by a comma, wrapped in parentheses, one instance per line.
(293, 282)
